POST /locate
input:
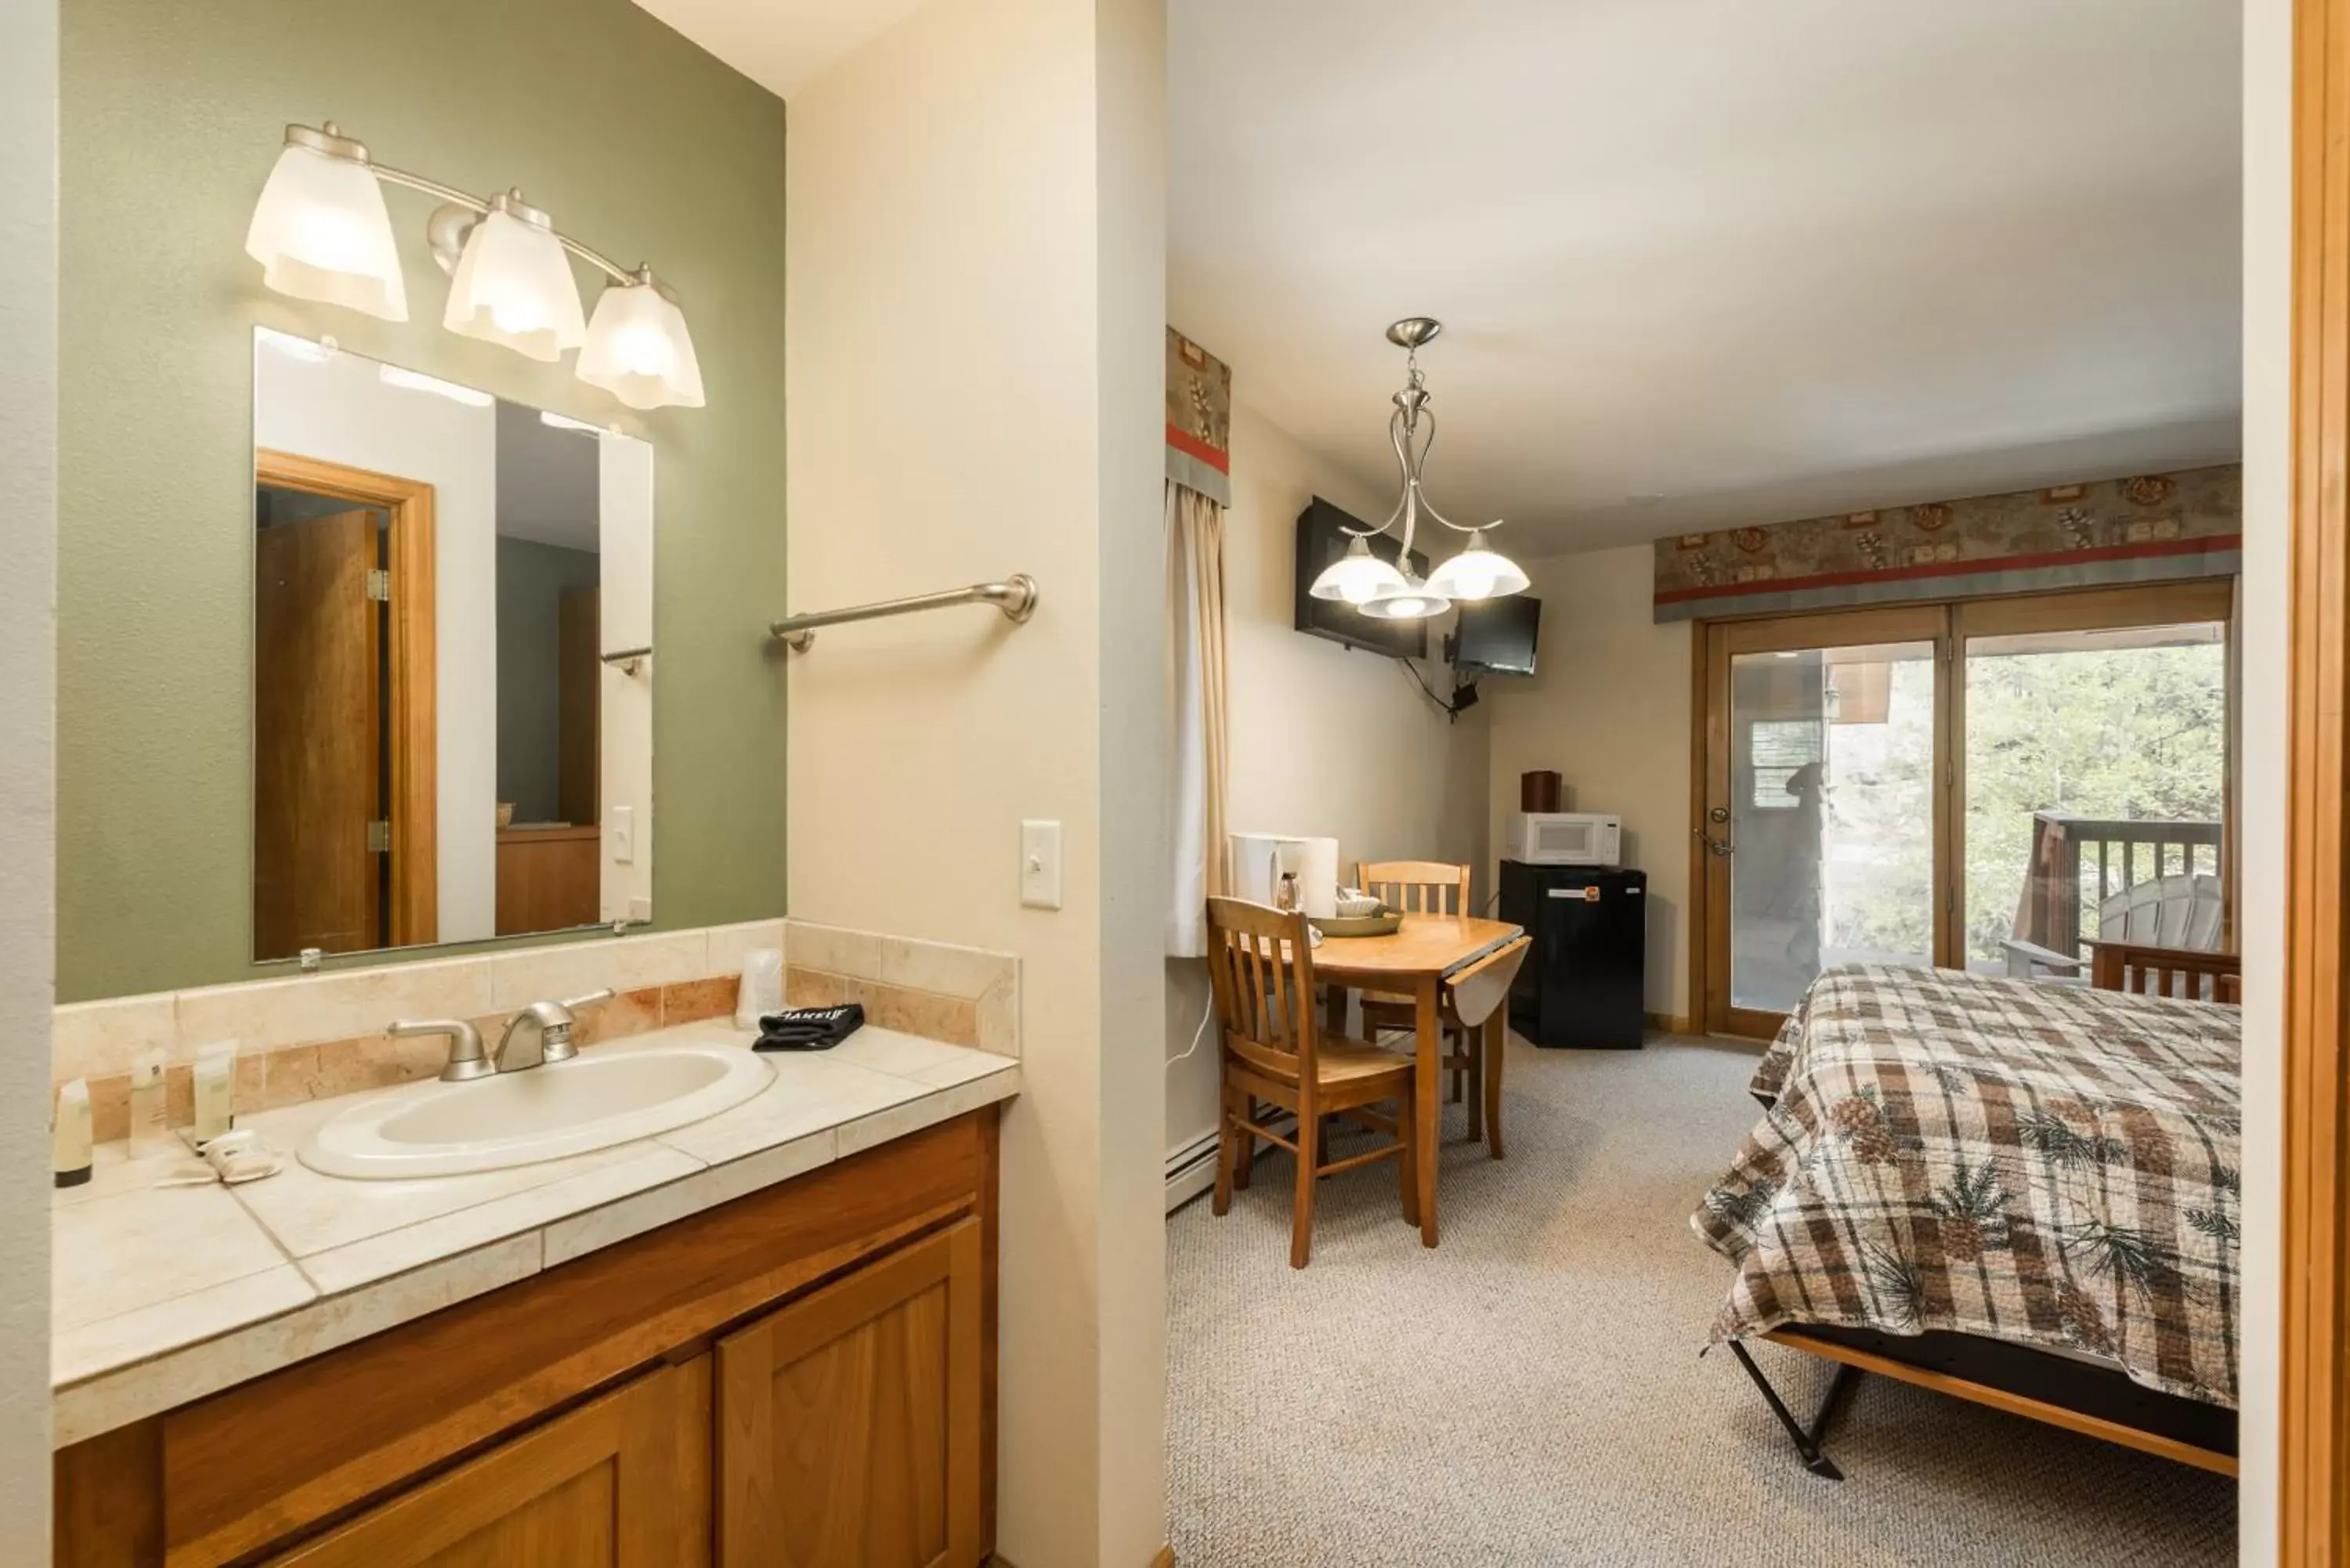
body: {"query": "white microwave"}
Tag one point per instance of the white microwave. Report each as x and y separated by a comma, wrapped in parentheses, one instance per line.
(1564, 838)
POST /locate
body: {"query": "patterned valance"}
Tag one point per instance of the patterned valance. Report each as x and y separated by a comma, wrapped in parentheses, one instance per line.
(1199, 419)
(2155, 527)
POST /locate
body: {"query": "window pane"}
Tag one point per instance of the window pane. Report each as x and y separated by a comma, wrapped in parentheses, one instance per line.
(2095, 770)
(1831, 816)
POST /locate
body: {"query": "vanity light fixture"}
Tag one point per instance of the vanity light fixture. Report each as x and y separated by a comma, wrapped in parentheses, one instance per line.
(638, 347)
(1386, 593)
(321, 232)
(512, 285)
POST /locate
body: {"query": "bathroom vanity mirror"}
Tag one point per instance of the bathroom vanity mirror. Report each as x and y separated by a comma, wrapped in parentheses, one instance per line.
(453, 666)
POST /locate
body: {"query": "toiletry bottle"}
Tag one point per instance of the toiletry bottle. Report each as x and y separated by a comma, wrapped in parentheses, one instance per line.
(150, 1134)
(215, 1091)
(70, 1137)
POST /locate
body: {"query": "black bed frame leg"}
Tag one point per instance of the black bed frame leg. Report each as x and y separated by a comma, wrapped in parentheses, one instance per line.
(1806, 1439)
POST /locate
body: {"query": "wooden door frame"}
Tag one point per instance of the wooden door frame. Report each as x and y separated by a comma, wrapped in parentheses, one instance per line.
(1951, 622)
(412, 726)
(2313, 1427)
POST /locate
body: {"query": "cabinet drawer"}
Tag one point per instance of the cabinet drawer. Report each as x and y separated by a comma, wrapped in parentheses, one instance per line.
(848, 1423)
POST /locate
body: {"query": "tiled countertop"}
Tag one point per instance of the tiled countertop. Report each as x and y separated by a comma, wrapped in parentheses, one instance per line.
(162, 1295)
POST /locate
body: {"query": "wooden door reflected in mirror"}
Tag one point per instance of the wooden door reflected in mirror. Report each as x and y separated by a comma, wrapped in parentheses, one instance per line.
(452, 673)
(344, 744)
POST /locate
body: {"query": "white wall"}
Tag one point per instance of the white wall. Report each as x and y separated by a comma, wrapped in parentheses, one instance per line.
(624, 541)
(1325, 741)
(28, 522)
(974, 351)
(338, 410)
(1608, 710)
(2268, 327)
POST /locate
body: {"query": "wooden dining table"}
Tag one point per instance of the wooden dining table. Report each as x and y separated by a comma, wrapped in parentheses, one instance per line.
(1425, 955)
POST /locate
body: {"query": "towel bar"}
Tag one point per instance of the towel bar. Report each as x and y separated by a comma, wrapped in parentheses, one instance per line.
(1016, 596)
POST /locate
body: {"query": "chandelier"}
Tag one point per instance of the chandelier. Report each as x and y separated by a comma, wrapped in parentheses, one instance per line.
(1392, 593)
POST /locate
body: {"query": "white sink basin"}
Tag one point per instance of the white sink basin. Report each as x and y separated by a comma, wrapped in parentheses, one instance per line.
(592, 1101)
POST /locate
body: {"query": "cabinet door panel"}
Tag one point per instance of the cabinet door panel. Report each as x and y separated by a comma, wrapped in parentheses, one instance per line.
(616, 1483)
(849, 1428)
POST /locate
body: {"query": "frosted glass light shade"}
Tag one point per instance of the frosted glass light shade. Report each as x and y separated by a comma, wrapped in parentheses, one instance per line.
(638, 349)
(1477, 573)
(1358, 576)
(513, 286)
(1412, 600)
(320, 232)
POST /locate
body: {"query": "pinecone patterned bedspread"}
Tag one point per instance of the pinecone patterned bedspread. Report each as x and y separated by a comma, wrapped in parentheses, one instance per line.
(2044, 1164)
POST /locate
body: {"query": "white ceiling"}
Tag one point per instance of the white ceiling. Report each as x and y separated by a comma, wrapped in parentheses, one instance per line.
(780, 44)
(1766, 261)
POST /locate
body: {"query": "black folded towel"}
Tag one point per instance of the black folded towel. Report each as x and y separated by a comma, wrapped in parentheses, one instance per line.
(809, 1028)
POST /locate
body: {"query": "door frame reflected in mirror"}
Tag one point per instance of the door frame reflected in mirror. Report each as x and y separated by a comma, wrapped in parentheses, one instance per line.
(410, 716)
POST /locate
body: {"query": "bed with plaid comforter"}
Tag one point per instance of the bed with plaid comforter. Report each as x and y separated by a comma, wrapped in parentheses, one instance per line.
(2049, 1164)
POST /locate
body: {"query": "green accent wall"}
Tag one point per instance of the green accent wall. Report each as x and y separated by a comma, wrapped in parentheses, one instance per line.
(639, 143)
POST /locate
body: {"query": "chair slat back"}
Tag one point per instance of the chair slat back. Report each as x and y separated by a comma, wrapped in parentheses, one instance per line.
(2180, 910)
(1416, 887)
(1261, 963)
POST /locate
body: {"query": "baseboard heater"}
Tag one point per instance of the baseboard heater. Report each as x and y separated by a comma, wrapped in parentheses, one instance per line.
(1192, 1170)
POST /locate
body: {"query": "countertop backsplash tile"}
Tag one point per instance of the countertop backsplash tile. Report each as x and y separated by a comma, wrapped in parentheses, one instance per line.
(964, 996)
(319, 1036)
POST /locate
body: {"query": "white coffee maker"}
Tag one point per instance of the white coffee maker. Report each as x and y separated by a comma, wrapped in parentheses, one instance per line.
(1287, 871)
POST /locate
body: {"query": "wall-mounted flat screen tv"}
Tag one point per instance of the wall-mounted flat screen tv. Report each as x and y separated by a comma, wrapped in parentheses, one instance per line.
(1322, 539)
(1496, 637)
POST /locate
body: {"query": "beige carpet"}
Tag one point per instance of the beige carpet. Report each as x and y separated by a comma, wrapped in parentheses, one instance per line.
(1531, 1393)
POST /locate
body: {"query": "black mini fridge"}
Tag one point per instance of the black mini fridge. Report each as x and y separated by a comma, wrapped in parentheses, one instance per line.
(1583, 980)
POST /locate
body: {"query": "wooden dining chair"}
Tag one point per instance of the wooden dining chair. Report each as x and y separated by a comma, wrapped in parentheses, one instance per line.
(1430, 888)
(1273, 1050)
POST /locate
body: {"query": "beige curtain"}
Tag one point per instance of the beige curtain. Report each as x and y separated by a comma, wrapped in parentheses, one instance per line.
(1195, 678)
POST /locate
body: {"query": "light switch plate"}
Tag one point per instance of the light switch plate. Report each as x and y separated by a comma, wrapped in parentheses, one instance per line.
(624, 835)
(1040, 865)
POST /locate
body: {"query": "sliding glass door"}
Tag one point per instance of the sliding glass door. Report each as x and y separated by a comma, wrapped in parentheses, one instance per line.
(1819, 829)
(1988, 785)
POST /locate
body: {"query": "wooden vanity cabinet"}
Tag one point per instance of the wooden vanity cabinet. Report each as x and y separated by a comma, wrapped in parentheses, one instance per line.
(802, 1378)
(848, 1422)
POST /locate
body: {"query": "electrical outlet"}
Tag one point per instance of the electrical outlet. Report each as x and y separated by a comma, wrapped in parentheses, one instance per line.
(1040, 865)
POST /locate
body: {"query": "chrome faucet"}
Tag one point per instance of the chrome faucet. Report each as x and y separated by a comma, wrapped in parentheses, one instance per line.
(552, 1020)
(467, 1060)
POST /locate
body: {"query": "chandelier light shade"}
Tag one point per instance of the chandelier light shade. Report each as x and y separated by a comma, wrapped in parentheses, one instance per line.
(321, 231)
(514, 284)
(1412, 600)
(1392, 593)
(638, 349)
(1477, 573)
(1358, 576)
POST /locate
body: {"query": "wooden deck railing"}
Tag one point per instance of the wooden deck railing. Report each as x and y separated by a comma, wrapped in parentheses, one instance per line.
(2124, 853)
(2183, 973)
